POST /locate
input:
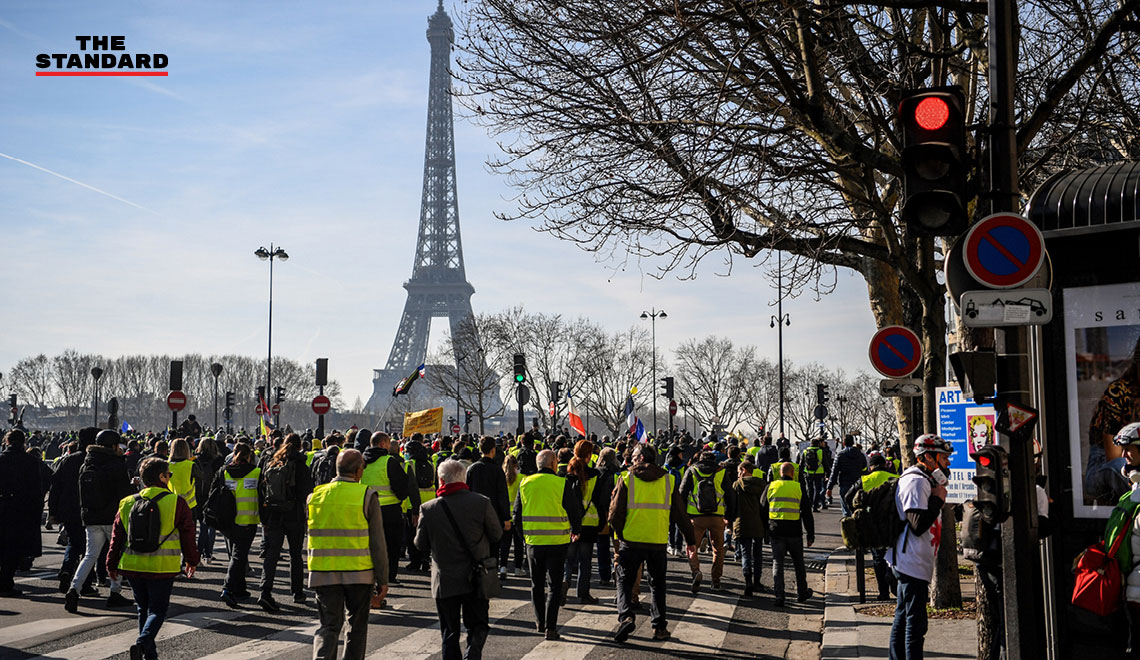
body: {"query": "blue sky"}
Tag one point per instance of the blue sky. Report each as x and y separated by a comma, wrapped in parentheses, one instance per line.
(301, 124)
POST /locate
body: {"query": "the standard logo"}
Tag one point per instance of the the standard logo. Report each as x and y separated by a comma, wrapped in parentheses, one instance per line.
(95, 60)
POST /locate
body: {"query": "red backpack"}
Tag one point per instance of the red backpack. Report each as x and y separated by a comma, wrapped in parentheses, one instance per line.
(1098, 586)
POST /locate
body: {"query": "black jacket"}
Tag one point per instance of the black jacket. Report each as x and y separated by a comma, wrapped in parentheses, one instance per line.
(301, 492)
(600, 497)
(103, 483)
(21, 504)
(487, 478)
(527, 462)
(848, 467)
(63, 499)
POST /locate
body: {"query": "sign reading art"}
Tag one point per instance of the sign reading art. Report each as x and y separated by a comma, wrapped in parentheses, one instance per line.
(423, 421)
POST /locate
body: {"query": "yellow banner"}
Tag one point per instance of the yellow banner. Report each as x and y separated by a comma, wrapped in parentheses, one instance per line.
(423, 421)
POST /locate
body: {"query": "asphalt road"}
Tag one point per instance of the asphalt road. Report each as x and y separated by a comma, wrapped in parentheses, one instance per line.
(199, 626)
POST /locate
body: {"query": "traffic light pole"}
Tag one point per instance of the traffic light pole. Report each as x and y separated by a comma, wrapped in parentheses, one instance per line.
(1021, 574)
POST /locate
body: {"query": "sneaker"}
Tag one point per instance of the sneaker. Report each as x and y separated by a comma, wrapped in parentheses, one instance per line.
(229, 600)
(268, 604)
(71, 601)
(64, 583)
(697, 577)
(802, 598)
(625, 629)
(661, 635)
(551, 634)
(136, 652)
(242, 595)
(587, 600)
(519, 572)
(539, 626)
(90, 592)
(300, 598)
(117, 599)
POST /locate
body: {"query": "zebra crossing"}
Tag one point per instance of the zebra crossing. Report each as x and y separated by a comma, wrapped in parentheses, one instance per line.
(712, 623)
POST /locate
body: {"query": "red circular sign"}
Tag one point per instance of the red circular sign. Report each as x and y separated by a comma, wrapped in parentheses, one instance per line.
(176, 400)
(455, 428)
(276, 409)
(321, 404)
(895, 351)
(672, 407)
(260, 409)
(552, 409)
(1003, 250)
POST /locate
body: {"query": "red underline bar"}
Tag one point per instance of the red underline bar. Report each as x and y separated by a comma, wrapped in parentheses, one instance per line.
(101, 73)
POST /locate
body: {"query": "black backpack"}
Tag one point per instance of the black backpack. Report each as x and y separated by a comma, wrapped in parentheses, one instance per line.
(93, 496)
(280, 487)
(144, 530)
(324, 468)
(706, 493)
(221, 506)
(875, 521)
(425, 476)
(811, 459)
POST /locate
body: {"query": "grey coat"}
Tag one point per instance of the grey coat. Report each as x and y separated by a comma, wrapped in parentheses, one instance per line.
(450, 566)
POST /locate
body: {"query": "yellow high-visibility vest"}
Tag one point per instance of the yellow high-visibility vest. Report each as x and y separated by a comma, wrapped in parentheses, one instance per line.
(338, 530)
(376, 475)
(591, 516)
(818, 460)
(784, 500)
(544, 519)
(168, 557)
(774, 471)
(183, 483)
(647, 509)
(245, 493)
(876, 478)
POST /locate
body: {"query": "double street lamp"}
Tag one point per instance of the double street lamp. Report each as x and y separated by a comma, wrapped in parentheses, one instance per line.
(779, 320)
(653, 316)
(269, 255)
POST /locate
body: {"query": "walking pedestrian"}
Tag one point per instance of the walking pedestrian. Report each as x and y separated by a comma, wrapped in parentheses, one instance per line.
(789, 516)
(705, 487)
(284, 485)
(486, 477)
(241, 478)
(458, 526)
(421, 472)
(209, 460)
(151, 573)
(348, 557)
(879, 474)
(589, 489)
(63, 507)
(513, 535)
(750, 526)
(550, 515)
(383, 472)
(645, 499)
(21, 504)
(189, 481)
(847, 469)
(103, 483)
(811, 465)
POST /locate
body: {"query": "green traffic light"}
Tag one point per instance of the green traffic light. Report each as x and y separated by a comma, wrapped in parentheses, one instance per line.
(519, 378)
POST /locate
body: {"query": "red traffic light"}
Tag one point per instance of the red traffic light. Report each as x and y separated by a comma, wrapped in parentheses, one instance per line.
(983, 460)
(931, 113)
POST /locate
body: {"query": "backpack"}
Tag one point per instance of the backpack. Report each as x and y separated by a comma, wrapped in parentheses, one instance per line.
(221, 507)
(706, 494)
(93, 497)
(425, 476)
(811, 459)
(324, 468)
(144, 531)
(875, 521)
(280, 487)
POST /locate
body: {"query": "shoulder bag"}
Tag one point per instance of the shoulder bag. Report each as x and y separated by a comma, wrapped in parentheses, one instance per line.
(483, 576)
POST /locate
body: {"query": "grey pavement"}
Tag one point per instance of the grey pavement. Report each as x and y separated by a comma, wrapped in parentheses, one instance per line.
(850, 635)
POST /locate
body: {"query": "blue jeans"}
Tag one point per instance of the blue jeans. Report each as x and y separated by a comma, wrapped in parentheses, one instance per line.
(843, 488)
(152, 598)
(908, 632)
(752, 557)
(206, 538)
(815, 490)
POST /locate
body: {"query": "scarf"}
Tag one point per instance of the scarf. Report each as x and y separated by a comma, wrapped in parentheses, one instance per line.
(448, 489)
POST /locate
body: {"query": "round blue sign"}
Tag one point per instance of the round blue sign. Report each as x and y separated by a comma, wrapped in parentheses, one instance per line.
(895, 351)
(1003, 251)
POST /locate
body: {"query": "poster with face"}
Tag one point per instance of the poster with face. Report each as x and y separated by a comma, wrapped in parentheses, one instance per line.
(1102, 364)
(980, 422)
(967, 426)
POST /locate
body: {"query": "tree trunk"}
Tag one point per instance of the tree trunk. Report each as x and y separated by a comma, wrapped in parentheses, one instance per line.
(989, 610)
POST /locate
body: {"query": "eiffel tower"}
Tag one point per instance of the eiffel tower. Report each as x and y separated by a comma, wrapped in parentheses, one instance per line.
(439, 285)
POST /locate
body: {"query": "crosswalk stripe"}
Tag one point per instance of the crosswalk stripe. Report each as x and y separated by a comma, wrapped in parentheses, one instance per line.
(596, 620)
(278, 643)
(105, 647)
(425, 642)
(691, 635)
(12, 636)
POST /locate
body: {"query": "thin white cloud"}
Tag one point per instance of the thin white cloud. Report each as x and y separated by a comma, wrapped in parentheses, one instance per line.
(79, 183)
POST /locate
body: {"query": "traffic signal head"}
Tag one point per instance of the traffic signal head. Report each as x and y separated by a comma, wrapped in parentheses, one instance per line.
(667, 387)
(555, 390)
(934, 160)
(260, 392)
(231, 399)
(520, 368)
(992, 479)
(976, 372)
(12, 401)
(821, 395)
(279, 393)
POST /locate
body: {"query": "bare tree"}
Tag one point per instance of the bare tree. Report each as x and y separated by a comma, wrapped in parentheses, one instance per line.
(712, 374)
(475, 383)
(31, 380)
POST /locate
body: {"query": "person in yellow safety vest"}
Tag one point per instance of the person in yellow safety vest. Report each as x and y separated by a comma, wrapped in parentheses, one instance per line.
(188, 480)
(774, 469)
(811, 464)
(707, 491)
(878, 474)
(443, 454)
(348, 556)
(591, 491)
(514, 536)
(550, 516)
(151, 574)
(384, 472)
(240, 477)
(789, 516)
(646, 500)
(422, 478)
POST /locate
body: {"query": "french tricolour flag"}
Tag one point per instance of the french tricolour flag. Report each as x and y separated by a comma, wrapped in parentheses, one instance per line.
(573, 417)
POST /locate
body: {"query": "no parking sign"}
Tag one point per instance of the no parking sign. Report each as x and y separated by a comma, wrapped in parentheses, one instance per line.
(1003, 250)
(895, 351)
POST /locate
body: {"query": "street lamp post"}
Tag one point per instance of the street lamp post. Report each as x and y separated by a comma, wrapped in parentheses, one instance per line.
(653, 315)
(96, 373)
(216, 369)
(270, 254)
(779, 321)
